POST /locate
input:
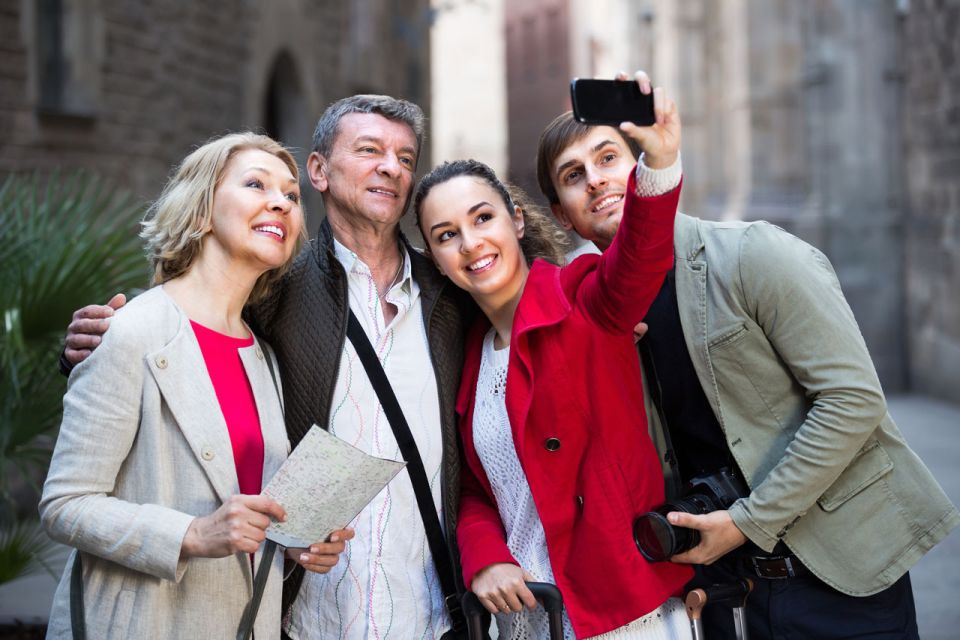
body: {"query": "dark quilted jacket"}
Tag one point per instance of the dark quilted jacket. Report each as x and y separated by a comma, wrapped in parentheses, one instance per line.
(305, 320)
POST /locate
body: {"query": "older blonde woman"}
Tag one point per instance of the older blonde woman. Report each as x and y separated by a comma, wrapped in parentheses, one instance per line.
(171, 428)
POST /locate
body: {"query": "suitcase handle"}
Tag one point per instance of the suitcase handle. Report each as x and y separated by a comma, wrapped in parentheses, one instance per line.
(547, 594)
(730, 593)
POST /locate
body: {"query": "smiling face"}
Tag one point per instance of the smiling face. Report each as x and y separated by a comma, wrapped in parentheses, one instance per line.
(590, 177)
(256, 215)
(368, 176)
(475, 240)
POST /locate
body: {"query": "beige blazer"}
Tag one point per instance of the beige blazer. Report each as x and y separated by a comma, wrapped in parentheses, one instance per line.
(143, 449)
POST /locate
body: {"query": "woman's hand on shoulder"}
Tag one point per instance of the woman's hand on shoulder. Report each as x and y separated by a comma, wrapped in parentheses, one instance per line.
(502, 588)
(320, 557)
(238, 526)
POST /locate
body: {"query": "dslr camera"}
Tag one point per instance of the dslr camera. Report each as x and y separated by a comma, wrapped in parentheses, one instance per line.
(658, 540)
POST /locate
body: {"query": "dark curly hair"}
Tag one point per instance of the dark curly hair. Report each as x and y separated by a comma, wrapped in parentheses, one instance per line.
(542, 238)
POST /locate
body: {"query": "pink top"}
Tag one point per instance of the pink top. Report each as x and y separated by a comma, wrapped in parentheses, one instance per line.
(236, 402)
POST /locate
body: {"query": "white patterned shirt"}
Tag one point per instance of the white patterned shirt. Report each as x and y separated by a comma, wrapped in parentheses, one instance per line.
(385, 585)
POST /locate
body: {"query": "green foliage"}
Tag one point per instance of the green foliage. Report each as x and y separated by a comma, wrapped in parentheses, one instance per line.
(24, 548)
(67, 241)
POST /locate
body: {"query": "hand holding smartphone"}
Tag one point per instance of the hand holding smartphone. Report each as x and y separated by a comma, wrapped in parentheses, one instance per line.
(610, 102)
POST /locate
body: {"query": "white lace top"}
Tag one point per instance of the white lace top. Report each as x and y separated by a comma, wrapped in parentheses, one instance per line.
(526, 540)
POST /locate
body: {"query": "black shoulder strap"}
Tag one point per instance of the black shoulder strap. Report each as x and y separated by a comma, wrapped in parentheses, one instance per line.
(418, 477)
(78, 623)
(249, 617)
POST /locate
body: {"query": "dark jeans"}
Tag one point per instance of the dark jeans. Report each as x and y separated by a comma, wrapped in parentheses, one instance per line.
(804, 608)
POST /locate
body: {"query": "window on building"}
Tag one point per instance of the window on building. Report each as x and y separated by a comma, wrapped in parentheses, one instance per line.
(68, 55)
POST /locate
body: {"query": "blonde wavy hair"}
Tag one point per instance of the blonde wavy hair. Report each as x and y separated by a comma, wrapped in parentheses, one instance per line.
(176, 223)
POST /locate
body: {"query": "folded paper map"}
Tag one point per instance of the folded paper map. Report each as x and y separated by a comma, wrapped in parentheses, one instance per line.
(323, 485)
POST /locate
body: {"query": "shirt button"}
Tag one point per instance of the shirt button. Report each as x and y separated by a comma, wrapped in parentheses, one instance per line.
(259, 353)
(580, 503)
(551, 444)
(161, 362)
(207, 454)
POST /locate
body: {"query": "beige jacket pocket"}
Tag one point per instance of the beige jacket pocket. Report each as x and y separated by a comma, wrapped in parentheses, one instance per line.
(871, 464)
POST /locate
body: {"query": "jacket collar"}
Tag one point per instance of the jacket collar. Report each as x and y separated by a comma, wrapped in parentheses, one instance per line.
(692, 300)
(181, 375)
(687, 241)
(430, 281)
(549, 306)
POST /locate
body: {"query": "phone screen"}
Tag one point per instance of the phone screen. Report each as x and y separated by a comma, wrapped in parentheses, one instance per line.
(610, 102)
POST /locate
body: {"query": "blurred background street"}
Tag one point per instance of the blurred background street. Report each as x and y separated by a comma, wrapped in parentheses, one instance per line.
(838, 120)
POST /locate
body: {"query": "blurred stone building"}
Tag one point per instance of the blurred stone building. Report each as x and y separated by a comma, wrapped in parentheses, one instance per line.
(836, 119)
(125, 88)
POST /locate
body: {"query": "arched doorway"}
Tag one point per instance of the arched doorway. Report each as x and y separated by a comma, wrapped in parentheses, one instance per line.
(286, 119)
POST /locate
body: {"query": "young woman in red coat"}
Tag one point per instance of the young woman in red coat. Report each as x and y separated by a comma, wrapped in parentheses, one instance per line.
(558, 460)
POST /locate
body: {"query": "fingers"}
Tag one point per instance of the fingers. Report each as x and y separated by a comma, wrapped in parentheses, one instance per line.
(640, 330)
(96, 311)
(512, 598)
(686, 520)
(643, 80)
(640, 77)
(247, 519)
(87, 323)
(320, 557)
(501, 588)
(267, 506)
(76, 356)
(87, 327)
(341, 534)
(659, 99)
(117, 301)
(526, 596)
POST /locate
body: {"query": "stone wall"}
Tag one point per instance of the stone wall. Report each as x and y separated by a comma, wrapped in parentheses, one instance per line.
(931, 163)
(538, 74)
(147, 81)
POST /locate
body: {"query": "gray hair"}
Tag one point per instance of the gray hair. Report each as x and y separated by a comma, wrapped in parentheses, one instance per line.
(390, 108)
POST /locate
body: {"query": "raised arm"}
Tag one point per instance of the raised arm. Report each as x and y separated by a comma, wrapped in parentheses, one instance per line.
(631, 271)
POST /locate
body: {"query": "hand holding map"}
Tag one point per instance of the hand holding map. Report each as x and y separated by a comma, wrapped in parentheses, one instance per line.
(323, 485)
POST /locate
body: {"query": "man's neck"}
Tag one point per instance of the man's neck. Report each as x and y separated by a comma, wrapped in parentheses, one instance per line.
(379, 250)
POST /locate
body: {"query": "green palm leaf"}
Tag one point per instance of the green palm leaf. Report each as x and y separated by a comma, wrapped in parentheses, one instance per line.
(68, 241)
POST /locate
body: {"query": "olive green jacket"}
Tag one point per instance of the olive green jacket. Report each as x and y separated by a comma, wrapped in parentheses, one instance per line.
(788, 376)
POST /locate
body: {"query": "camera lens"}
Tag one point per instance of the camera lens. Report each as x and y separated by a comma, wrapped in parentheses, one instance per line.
(654, 536)
(657, 539)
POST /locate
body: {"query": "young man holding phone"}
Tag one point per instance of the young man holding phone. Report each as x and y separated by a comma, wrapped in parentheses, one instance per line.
(754, 365)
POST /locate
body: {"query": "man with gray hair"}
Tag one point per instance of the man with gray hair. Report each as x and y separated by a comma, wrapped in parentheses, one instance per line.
(386, 585)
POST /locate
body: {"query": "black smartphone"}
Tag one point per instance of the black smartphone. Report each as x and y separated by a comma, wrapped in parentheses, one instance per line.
(610, 102)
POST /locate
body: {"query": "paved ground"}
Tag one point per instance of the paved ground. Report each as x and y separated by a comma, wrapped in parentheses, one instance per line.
(932, 428)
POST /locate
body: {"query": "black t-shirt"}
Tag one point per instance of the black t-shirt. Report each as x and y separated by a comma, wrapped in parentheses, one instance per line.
(698, 441)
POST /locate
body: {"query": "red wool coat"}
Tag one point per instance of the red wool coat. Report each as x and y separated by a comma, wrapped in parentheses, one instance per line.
(575, 401)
